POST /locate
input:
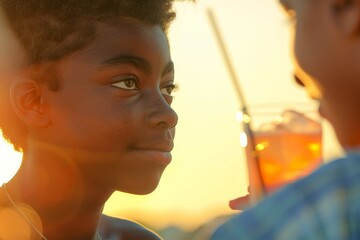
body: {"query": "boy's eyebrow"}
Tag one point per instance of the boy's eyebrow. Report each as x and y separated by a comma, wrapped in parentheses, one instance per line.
(138, 62)
(168, 68)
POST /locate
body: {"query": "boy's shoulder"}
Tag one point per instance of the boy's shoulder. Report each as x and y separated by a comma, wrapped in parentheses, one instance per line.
(118, 228)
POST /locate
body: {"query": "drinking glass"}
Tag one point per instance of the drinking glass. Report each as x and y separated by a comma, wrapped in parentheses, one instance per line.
(283, 143)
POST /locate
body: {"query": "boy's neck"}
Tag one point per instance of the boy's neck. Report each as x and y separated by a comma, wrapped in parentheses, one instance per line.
(59, 194)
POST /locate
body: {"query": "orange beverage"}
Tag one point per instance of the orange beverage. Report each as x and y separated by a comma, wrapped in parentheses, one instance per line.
(284, 156)
(285, 150)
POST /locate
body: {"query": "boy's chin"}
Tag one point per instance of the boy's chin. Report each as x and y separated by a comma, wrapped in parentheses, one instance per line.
(349, 144)
(142, 188)
(140, 191)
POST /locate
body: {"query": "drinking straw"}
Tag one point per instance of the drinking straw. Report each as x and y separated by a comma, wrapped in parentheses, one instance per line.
(240, 95)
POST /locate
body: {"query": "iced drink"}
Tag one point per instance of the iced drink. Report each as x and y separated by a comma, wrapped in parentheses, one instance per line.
(287, 149)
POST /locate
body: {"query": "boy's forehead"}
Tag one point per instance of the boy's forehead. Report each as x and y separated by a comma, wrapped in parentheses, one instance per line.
(126, 42)
(123, 23)
(120, 33)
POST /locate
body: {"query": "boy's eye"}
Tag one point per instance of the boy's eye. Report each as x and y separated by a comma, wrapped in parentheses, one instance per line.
(168, 90)
(129, 83)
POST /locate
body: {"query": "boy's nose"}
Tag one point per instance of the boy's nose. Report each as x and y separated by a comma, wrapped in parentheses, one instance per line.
(159, 112)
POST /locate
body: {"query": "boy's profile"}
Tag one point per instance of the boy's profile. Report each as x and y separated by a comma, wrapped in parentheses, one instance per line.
(90, 108)
(324, 205)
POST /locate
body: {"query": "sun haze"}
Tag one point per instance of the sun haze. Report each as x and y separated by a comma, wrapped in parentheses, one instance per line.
(208, 166)
(10, 161)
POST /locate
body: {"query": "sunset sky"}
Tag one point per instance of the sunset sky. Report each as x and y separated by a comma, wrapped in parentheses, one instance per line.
(208, 167)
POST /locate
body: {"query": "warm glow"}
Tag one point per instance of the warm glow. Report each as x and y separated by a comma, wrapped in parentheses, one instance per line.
(315, 147)
(261, 146)
(10, 160)
(208, 167)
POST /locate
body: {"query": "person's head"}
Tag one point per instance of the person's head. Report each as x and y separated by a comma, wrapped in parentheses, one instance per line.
(96, 87)
(326, 54)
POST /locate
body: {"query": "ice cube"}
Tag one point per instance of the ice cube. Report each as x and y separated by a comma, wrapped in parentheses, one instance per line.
(291, 121)
(272, 127)
(299, 123)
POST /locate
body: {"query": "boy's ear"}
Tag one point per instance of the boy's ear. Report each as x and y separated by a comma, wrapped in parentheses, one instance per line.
(347, 13)
(27, 102)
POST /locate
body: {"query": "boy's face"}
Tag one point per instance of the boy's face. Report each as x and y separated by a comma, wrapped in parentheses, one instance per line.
(113, 114)
(324, 59)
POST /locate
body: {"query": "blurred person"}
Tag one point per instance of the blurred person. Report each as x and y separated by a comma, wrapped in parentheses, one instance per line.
(325, 204)
(89, 105)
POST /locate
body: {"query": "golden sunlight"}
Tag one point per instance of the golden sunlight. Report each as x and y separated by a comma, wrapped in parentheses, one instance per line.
(10, 160)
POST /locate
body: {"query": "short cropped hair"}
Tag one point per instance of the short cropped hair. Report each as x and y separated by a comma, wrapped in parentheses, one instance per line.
(49, 30)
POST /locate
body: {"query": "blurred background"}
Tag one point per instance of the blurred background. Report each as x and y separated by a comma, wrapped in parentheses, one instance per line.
(208, 167)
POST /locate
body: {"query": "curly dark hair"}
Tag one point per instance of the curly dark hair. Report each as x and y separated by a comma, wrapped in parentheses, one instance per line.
(48, 30)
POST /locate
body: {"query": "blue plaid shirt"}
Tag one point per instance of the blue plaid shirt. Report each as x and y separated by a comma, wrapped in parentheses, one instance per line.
(324, 205)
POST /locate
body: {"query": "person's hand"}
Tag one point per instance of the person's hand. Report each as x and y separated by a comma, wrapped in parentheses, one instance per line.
(240, 203)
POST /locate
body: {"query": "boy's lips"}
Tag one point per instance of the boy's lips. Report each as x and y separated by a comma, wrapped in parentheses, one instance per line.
(156, 144)
(154, 155)
(157, 153)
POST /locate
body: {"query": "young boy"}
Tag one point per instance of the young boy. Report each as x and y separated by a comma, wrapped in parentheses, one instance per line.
(324, 205)
(91, 110)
